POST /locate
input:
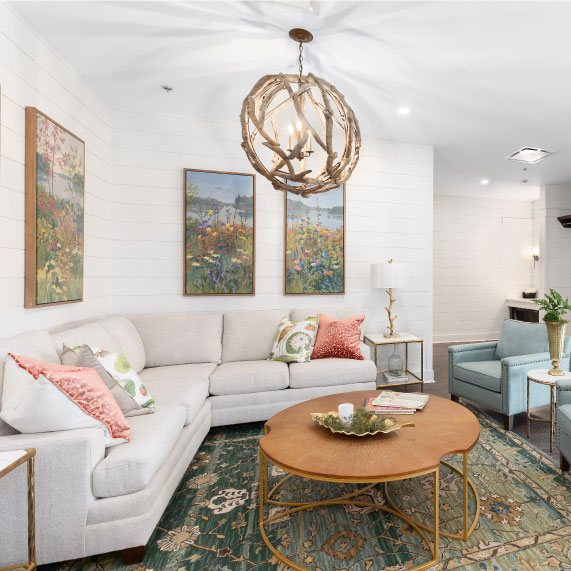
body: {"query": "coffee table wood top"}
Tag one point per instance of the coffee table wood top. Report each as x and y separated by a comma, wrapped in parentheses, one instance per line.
(302, 447)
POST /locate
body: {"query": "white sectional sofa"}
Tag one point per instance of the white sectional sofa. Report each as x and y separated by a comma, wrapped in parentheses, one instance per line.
(203, 369)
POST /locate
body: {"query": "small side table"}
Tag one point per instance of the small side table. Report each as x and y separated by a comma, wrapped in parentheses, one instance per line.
(542, 377)
(378, 339)
(8, 461)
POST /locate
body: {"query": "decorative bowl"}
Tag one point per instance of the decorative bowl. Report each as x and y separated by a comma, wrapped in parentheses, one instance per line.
(390, 425)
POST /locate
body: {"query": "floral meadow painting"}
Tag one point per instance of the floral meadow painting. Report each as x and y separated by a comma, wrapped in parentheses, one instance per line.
(219, 244)
(55, 176)
(315, 243)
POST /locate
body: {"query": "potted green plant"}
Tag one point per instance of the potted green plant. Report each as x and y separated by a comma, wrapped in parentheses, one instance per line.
(555, 307)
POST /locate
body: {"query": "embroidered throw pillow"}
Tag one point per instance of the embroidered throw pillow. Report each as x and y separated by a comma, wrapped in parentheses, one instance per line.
(339, 339)
(119, 368)
(83, 356)
(293, 342)
(44, 397)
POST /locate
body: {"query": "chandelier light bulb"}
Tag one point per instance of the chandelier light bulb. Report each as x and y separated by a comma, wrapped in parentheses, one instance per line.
(298, 126)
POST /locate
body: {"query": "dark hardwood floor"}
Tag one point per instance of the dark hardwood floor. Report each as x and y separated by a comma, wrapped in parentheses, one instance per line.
(539, 430)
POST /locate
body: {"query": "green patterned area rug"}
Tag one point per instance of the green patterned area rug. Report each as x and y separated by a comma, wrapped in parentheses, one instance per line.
(211, 522)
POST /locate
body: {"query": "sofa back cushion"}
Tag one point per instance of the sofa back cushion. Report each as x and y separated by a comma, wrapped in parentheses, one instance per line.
(89, 334)
(520, 338)
(180, 338)
(114, 334)
(335, 314)
(249, 335)
(36, 344)
(126, 335)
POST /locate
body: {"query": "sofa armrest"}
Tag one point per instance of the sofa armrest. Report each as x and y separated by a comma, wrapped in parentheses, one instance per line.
(467, 353)
(63, 465)
(472, 352)
(563, 390)
(365, 350)
(532, 361)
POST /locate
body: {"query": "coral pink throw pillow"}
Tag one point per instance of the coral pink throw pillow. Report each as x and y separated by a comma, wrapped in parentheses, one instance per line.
(42, 397)
(338, 338)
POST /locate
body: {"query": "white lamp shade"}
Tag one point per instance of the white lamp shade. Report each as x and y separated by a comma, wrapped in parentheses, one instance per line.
(387, 275)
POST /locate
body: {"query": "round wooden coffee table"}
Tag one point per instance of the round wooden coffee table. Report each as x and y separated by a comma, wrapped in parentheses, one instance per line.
(301, 448)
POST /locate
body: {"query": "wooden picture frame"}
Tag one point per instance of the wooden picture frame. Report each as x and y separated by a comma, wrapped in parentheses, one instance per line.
(219, 243)
(55, 212)
(311, 260)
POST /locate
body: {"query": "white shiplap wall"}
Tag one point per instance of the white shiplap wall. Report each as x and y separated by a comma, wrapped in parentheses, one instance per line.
(32, 74)
(555, 241)
(389, 214)
(482, 252)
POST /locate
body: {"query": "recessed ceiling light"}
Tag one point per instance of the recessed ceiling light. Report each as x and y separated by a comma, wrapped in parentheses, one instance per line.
(403, 111)
(485, 181)
(529, 155)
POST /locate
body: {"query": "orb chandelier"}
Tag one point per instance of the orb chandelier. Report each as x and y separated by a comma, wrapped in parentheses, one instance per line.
(298, 131)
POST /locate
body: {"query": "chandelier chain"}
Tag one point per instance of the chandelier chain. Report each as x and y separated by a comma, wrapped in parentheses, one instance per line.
(300, 60)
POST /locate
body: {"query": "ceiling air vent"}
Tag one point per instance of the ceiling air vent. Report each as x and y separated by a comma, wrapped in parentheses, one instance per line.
(565, 221)
(530, 155)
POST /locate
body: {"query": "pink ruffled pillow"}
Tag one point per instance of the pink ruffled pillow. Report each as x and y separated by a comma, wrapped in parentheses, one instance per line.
(43, 397)
(339, 339)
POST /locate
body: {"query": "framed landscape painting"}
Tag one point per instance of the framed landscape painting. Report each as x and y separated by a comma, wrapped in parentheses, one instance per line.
(55, 180)
(219, 233)
(315, 243)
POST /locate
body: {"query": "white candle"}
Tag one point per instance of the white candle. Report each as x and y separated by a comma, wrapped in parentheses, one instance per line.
(346, 411)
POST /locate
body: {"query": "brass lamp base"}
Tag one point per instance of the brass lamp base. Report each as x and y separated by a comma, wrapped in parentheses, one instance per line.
(391, 335)
(556, 371)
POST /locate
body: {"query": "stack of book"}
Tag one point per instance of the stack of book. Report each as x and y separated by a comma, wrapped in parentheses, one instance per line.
(389, 402)
(390, 378)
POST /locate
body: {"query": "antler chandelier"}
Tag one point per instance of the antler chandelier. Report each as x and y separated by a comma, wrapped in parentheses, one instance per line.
(298, 131)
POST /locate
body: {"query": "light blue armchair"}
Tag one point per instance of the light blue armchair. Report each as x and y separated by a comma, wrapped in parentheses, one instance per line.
(563, 422)
(494, 374)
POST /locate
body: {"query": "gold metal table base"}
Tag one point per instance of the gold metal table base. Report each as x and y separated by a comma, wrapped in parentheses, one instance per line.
(347, 499)
(551, 419)
(467, 484)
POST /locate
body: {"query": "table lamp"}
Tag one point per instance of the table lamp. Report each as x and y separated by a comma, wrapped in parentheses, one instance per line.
(389, 275)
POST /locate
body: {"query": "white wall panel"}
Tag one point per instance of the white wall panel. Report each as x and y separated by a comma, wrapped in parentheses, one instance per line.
(482, 252)
(31, 74)
(388, 214)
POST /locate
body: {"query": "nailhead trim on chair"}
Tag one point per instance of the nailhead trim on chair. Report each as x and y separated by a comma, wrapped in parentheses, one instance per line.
(558, 389)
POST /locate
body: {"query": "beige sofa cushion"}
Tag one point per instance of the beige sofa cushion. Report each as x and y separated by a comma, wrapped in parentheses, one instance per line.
(248, 377)
(249, 335)
(324, 372)
(186, 385)
(335, 313)
(36, 344)
(180, 338)
(129, 467)
(127, 336)
(92, 334)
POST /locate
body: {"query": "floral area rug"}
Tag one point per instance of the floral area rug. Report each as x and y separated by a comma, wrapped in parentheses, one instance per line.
(211, 522)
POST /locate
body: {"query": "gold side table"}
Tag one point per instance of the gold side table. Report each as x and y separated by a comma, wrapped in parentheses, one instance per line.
(8, 462)
(542, 377)
(378, 339)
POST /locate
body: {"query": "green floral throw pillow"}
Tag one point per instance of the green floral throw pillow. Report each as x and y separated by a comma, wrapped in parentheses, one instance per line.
(119, 368)
(294, 342)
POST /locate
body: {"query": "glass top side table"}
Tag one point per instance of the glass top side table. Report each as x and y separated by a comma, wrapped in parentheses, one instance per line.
(542, 377)
(10, 460)
(378, 339)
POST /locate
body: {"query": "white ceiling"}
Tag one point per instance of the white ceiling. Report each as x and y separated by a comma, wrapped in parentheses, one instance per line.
(481, 78)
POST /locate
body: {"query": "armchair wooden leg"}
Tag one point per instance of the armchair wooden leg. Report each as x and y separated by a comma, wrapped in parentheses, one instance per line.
(508, 422)
(133, 554)
(455, 398)
(564, 463)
